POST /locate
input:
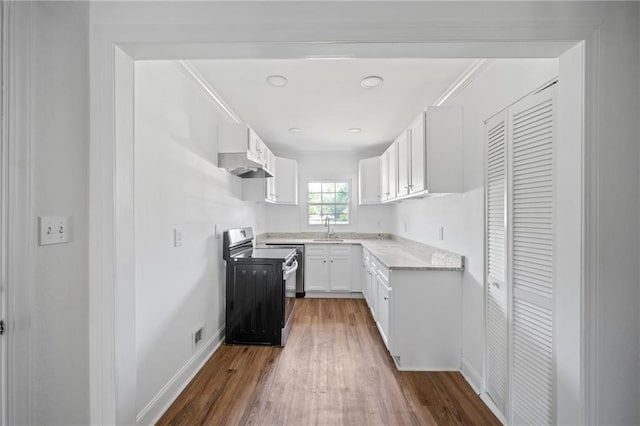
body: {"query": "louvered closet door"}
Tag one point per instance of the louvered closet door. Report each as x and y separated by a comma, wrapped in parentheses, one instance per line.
(496, 324)
(531, 261)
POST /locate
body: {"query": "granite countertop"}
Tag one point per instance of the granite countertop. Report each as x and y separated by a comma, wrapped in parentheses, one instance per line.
(392, 251)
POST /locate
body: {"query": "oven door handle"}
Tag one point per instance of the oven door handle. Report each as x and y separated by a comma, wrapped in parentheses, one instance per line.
(290, 270)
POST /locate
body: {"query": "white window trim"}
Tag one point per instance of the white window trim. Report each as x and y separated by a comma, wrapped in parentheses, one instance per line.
(346, 227)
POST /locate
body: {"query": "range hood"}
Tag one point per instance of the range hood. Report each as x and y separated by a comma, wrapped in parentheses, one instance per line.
(239, 164)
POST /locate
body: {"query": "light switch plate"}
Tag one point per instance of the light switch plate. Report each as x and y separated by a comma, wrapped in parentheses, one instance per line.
(54, 230)
(177, 237)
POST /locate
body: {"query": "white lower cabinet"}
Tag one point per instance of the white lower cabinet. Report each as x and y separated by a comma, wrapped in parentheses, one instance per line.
(382, 314)
(418, 315)
(328, 268)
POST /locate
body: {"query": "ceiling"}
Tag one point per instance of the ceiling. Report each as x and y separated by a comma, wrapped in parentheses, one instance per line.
(324, 98)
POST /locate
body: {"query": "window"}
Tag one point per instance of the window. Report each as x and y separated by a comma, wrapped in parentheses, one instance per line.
(328, 199)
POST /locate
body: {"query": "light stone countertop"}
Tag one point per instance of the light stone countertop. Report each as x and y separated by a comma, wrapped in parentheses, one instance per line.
(392, 251)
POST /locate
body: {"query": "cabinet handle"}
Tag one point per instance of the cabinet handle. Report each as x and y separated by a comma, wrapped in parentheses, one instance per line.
(324, 261)
(331, 260)
(386, 298)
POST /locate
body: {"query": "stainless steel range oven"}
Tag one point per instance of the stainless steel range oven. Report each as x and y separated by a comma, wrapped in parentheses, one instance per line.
(261, 290)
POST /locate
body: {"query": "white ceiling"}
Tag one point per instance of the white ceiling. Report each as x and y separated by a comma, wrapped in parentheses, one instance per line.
(324, 98)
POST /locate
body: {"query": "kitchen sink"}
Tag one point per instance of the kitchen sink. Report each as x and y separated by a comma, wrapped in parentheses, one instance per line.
(335, 240)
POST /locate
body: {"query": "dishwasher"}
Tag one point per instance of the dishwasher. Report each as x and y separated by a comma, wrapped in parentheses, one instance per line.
(300, 272)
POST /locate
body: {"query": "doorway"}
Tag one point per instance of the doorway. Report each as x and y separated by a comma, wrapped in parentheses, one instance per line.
(117, 233)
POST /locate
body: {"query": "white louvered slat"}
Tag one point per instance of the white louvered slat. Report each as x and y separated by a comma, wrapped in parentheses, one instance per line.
(531, 258)
(497, 326)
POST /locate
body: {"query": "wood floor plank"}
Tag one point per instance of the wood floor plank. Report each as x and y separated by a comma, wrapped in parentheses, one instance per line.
(334, 370)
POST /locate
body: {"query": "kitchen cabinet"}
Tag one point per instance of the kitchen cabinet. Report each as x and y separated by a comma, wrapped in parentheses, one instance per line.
(240, 138)
(382, 312)
(429, 157)
(369, 189)
(327, 267)
(282, 188)
(285, 185)
(418, 315)
(416, 152)
(356, 281)
(366, 275)
(388, 173)
(404, 161)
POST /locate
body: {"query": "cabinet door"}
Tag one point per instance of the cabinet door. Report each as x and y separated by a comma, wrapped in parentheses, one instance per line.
(356, 269)
(253, 144)
(363, 280)
(286, 184)
(393, 171)
(417, 155)
(403, 164)
(384, 175)
(315, 278)
(372, 290)
(382, 316)
(340, 267)
(369, 181)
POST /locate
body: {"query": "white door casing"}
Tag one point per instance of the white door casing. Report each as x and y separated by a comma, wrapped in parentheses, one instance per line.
(106, 291)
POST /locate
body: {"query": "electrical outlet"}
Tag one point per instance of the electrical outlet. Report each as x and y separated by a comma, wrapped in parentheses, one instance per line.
(54, 230)
(197, 336)
(441, 233)
(406, 227)
(177, 237)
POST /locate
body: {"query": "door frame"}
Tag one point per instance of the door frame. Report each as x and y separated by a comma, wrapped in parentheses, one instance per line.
(16, 210)
(114, 49)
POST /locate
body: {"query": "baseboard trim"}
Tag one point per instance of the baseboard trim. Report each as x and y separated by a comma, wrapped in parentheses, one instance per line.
(333, 295)
(492, 406)
(470, 375)
(169, 392)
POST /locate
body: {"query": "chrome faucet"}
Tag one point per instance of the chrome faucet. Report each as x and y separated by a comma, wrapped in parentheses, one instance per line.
(326, 223)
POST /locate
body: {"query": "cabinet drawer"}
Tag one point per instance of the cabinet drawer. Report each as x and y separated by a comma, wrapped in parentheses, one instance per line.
(380, 268)
(341, 250)
(316, 249)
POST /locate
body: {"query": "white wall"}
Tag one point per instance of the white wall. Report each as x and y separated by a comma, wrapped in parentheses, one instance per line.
(616, 192)
(501, 83)
(328, 165)
(177, 185)
(59, 187)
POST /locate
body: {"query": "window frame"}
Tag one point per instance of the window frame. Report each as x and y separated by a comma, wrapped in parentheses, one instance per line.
(307, 204)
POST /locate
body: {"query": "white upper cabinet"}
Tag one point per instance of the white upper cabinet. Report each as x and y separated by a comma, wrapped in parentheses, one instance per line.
(404, 161)
(238, 138)
(282, 188)
(241, 151)
(388, 173)
(369, 188)
(426, 158)
(416, 136)
(285, 181)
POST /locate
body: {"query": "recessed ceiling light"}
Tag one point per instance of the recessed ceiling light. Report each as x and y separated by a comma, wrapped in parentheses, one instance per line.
(277, 80)
(295, 130)
(354, 130)
(371, 81)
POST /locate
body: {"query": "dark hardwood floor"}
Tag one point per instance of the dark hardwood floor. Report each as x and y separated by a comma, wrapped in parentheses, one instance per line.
(334, 370)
